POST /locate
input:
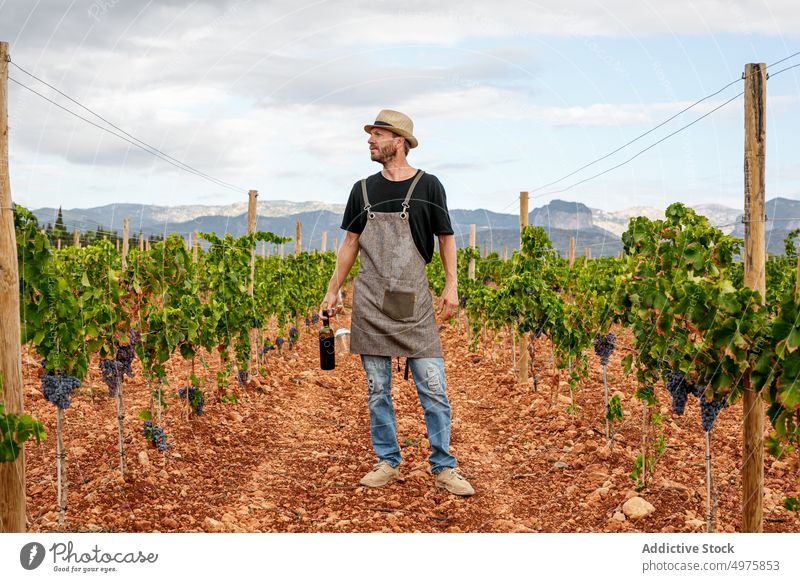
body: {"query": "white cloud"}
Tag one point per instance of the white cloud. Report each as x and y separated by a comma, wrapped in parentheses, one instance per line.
(253, 91)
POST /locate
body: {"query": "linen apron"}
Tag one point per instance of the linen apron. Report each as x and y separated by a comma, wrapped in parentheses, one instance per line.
(393, 311)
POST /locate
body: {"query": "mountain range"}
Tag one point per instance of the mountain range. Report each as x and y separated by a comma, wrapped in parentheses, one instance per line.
(592, 228)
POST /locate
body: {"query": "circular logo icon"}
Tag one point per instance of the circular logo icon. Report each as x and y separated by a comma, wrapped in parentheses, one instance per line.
(31, 555)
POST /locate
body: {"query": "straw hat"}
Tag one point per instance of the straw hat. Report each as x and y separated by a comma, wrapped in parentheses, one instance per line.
(395, 122)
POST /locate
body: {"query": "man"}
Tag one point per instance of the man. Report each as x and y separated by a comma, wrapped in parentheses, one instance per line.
(391, 219)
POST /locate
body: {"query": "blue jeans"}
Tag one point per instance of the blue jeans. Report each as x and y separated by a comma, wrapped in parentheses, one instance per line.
(429, 378)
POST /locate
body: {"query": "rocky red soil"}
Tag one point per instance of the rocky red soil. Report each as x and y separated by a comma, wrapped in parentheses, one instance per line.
(289, 455)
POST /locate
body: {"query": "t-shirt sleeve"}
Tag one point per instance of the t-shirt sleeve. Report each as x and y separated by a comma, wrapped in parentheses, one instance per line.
(354, 217)
(440, 216)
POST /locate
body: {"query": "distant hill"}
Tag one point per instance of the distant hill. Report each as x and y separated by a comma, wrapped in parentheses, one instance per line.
(598, 229)
(783, 216)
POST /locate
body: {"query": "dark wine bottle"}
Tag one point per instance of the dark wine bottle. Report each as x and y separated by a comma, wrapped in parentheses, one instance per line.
(327, 350)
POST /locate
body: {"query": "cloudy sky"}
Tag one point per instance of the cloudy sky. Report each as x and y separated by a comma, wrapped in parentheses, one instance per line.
(506, 96)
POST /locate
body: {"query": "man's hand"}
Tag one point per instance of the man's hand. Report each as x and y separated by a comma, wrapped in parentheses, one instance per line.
(448, 304)
(332, 303)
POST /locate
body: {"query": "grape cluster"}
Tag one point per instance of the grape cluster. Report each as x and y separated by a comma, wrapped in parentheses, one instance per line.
(241, 377)
(57, 388)
(267, 347)
(604, 346)
(462, 301)
(294, 335)
(156, 435)
(678, 389)
(114, 371)
(196, 398)
(112, 374)
(709, 412)
(279, 342)
(134, 336)
(315, 318)
(308, 323)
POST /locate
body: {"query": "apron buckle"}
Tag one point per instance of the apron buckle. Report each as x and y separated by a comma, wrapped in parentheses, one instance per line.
(404, 213)
(368, 209)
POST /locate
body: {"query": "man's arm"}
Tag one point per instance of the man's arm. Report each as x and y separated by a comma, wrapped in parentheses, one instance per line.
(344, 262)
(448, 305)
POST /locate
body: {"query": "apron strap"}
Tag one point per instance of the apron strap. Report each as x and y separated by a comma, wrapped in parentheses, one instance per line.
(367, 205)
(405, 374)
(404, 213)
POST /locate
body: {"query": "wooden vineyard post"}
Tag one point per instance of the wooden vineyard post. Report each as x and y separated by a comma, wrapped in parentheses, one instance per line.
(621, 255)
(147, 245)
(470, 274)
(471, 267)
(195, 247)
(251, 228)
(263, 249)
(298, 239)
(323, 246)
(58, 245)
(283, 250)
(755, 133)
(12, 474)
(116, 244)
(125, 228)
(524, 356)
(141, 242)
(76, 238)
(485, 249)
(571, 255)
(587, 253)
(335, 247)
(797, 278)
(505, 253)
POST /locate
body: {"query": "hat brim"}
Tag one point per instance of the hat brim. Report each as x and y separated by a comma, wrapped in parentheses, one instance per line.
(412, 141)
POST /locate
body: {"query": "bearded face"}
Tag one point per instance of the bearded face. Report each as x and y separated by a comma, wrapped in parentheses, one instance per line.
(382, 146)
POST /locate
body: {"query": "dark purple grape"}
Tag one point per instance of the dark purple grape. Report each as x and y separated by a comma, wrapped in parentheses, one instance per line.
(112, 374)
(698, 391)
(196, 398)
(709, 410)
(604, 346)
(676, 386)
(57, 388)
(241, 377)
(156, 435)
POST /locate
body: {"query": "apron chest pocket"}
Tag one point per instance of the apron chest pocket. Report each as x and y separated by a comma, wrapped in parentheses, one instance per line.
(399, 305)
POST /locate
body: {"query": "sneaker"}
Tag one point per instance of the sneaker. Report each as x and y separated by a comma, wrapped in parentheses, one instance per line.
(454, 482)
(381, 474)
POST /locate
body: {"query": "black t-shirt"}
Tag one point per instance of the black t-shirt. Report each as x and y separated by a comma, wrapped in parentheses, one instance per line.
(427, 212)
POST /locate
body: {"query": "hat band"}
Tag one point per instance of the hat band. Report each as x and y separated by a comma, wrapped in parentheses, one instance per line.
(383, 123)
